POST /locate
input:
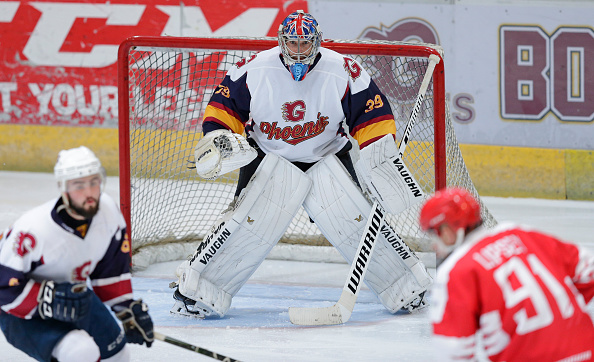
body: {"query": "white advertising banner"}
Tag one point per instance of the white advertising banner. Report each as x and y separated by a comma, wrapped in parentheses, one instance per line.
(517, 75)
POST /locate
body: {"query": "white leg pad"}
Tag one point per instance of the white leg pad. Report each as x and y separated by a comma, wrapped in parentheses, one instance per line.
(386, 176)
(340, 211)
(240, 241)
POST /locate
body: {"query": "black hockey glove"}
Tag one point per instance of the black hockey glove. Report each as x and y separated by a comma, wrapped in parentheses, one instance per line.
(137, 323)
(66, 302)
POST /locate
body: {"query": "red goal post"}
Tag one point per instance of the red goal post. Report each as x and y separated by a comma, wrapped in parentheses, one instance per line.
(164, 84)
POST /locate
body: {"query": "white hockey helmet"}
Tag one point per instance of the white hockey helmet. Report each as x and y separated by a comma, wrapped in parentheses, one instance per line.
(76, 163)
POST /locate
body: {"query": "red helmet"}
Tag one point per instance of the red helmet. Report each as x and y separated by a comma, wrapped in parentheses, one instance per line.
(453, 206)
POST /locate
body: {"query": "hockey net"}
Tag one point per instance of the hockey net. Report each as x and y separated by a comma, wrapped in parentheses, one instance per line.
(164, 86)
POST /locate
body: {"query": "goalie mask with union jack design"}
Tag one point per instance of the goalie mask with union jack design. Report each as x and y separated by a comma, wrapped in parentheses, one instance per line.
(299, 39)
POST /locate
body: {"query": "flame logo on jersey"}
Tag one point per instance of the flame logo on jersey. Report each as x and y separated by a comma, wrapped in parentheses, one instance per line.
(352, 68)
(293, 111)
(25, 243)
(295, 134)
(81, 273)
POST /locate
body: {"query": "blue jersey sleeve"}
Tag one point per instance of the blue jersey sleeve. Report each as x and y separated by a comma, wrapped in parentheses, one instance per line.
(368, 115)
(111, 279)
(229, 106)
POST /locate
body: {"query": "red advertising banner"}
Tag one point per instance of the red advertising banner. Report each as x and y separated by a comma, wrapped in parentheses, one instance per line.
(58, 60)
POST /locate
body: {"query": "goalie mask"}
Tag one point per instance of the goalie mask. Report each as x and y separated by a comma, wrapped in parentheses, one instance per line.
(299, 39)
(76, 163)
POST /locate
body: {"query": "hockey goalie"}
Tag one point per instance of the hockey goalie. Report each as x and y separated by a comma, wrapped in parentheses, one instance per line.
(293, 102)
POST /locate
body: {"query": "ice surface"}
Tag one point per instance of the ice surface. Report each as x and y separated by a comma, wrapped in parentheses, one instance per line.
(257, 327)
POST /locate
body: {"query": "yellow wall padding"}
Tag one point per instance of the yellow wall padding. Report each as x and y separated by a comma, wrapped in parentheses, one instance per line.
(516, 171)
(35, 148)
(579, 174)
(495, 170)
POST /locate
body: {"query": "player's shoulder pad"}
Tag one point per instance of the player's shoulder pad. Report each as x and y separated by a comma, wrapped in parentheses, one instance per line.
(29, 231)
(36, 217)
(345, 66)
(266, 58)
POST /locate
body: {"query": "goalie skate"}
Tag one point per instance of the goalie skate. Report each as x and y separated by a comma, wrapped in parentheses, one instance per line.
(188, 307)
(416, 304)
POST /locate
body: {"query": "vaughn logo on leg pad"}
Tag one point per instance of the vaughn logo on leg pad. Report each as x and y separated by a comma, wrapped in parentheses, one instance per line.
(397, 243)
(209, 246)
(410, 181)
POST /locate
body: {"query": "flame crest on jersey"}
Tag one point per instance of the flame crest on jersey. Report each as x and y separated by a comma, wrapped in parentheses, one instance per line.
(81, 273)
(294, 111)
(24, 244)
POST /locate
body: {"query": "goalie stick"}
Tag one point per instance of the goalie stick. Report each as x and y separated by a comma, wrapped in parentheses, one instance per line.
(433, 60)
(191, 347)
(341, 311)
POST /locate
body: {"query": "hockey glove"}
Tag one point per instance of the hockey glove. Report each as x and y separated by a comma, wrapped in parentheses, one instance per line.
(65, 302)
(222, 151)
(137, 323)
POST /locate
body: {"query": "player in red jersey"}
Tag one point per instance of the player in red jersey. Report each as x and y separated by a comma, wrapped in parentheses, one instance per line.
(516, 292)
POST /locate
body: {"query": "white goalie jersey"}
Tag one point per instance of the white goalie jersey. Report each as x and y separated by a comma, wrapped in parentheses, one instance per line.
(300, 121)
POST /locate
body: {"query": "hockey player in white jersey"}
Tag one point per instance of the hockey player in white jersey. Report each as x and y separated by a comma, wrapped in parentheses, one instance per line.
(48, 256)
(293, 102)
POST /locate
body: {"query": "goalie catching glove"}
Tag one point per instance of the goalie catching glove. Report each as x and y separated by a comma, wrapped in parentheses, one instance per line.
(65, 302)
(220, 152)
(138, 324)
